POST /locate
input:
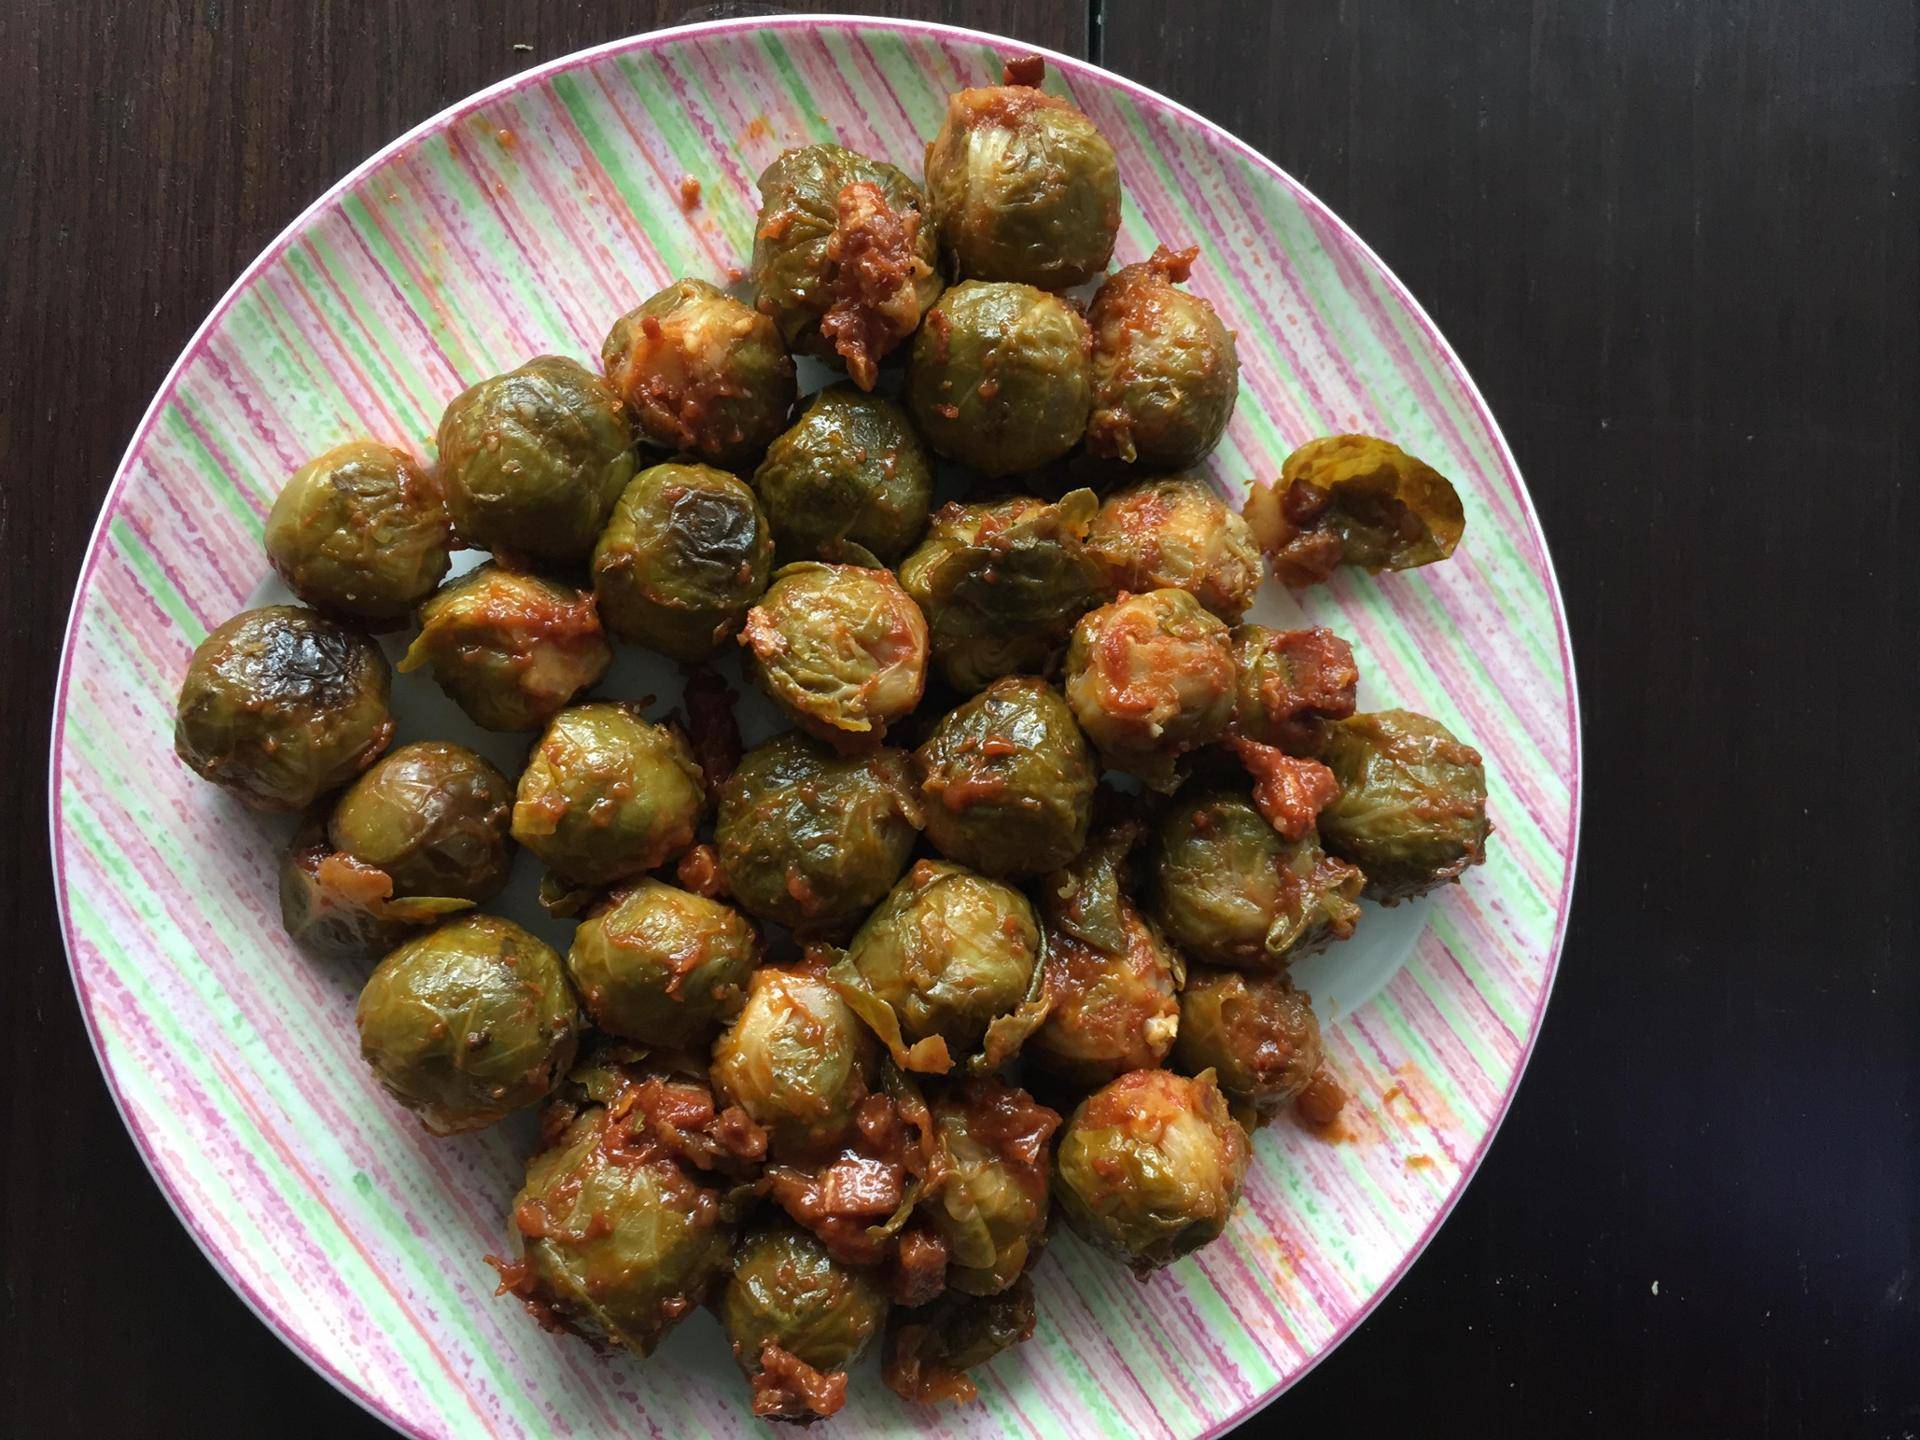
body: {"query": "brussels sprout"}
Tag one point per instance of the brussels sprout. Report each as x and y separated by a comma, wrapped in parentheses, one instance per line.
(1001, 585)
(339, 909)
(1354, 500)
(850, 479)
(797, 1320)
(468, 1023)
(1229, 890)
(1149, 678)
(281, 705)
(701, 373)
(1111, 974)
(686, 553)
(930, 1350)
(813, 840)
(360, 532)
(1412, 810)
(797, 1060)
(607, 794)
(533, 460)
(843, 259)
(1255, 1032)
(988, 1198)
(663, 966)
(1176, 534)
(947, 968)
(511, 649)
(998, 377)
(841, 649)
(1008, 780)
(619, 1240)
(1165, 374)
(1292, 683)
(1023, 186)
(665, 1103)
(433, 817)
(1149, 1167)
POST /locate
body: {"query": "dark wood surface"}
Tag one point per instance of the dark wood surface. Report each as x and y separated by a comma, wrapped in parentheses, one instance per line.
(1677, 245)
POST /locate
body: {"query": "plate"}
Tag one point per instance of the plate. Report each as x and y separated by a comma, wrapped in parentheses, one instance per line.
(524, 220)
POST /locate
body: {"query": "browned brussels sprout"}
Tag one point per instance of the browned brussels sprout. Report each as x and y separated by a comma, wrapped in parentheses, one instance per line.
(1292, 684)
(1001, 585)
(468, 1023)
(849, 480)
(701, 373)
(987, 1198)
(812, 840)
(947, 969)
(1023, 185)
(1151, 677)
(607, 795)
(532, 461)
(1149, 1167)
(510, 648)
(1229, 890)
(998, 378)
(1255, 1032)
(1353, 500)
(798, 1320)
(281, 705)
(1165, 374)
(843, 259)
(841, 649)
(1008, 780)
(686, 553)
(930, 1350)
(362, 533)
(1412, 809)
(797, 1060)
(1176, 534)
(663, 966)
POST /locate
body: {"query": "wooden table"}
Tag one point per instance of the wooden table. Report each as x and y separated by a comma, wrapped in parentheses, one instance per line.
(1676, 244)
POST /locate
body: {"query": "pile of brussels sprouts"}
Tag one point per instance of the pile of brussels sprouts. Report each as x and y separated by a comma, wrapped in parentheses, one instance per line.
(781, 1064)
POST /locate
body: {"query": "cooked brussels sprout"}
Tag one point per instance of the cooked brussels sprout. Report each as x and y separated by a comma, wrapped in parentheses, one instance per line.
(1023, 186)
(281, 705)
(433, 817)
(663, 966)
(1354, 500)
(468, 1023)
(797, 1060)
(1255, 1032)
(797, 1320)
(843, 258)
(338, 909)
(607, 794)
(1292, 683)
(532, 461)
(1149, 678)
(930, 1350)
(1111, 974)
(360, 532)
(1008, 780)
(988, 1200)
(849, 480)
(1150, 1166)
(620, 1241)
(665, 1103)
(1176, 534)
(701, 373)
(998, 377)
(1001, 585)
(813, 840)
(686, 553)
(1229, 890)
(1412, 809)
(841, 649)
(1165, 374)
(947, 969)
